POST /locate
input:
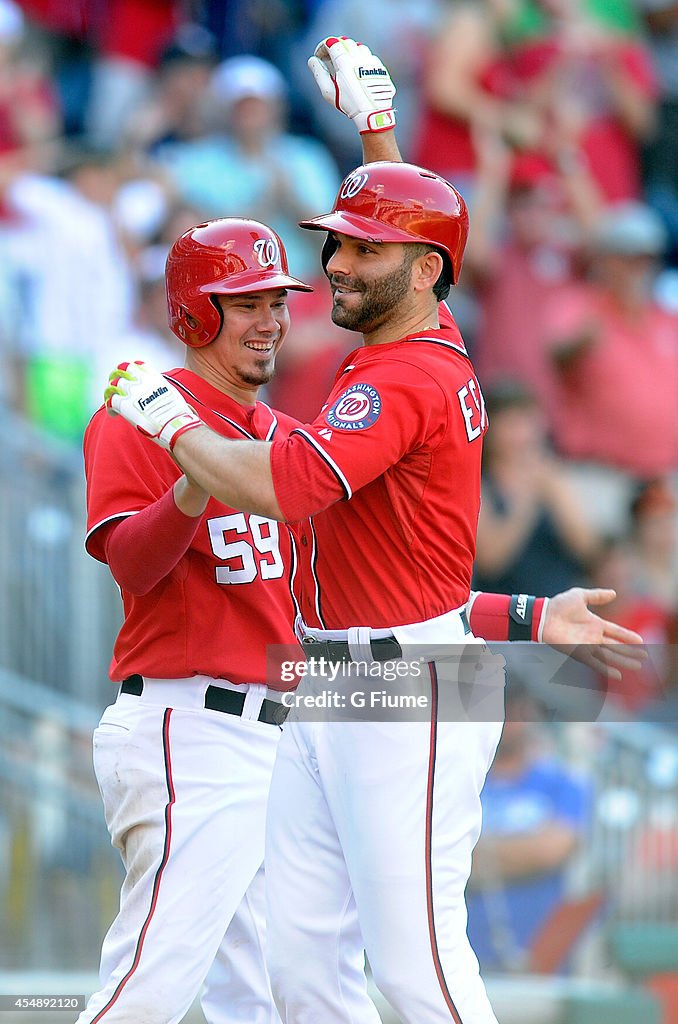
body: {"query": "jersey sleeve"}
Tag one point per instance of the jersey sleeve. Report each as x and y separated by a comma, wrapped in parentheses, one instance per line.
(380, 413)
(125, 473)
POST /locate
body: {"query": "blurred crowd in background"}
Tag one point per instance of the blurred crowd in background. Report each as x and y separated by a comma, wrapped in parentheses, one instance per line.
(123, 122)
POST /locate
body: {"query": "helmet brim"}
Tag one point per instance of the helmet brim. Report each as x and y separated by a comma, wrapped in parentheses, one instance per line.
(355, 226)
(255, 281)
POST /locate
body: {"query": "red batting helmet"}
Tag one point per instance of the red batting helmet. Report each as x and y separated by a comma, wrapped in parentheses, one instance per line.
(394, 202)
(223, 257)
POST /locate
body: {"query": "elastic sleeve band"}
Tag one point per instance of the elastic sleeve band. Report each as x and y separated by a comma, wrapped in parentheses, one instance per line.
(501, 617)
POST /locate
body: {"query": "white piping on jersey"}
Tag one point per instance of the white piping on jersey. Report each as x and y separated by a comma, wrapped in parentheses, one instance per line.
(445, 344)
(330, 462)
(316, 581)
(221, 416)
(109, 519)
(293, 573)
(274, 425)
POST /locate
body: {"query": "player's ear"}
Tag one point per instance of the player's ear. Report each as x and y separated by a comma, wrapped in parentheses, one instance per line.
(426, 269)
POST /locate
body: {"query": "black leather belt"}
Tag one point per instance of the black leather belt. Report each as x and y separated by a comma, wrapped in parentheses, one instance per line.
(217, 698)
(385, 648)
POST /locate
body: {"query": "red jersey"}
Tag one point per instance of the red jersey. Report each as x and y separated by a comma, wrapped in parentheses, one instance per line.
(229, 595)
(390, 472)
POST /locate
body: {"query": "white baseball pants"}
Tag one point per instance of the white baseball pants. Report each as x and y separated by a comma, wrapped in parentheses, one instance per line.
(371, 827)
(185, 792)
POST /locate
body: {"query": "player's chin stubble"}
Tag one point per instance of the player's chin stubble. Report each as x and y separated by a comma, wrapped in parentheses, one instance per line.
(379, 299)
(263, 373)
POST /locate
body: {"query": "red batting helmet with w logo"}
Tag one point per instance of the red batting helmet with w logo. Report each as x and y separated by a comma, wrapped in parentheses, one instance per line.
(231, 256)
(397, 202)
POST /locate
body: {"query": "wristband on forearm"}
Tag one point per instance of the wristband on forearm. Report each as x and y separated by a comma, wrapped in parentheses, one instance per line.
(499, 617)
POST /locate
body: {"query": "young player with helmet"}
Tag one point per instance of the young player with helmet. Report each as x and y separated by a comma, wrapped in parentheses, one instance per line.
(183, 757)
(372, 825)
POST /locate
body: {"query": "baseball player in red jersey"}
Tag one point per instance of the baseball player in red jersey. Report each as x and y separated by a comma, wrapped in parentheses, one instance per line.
(371, 826)
(183, 757)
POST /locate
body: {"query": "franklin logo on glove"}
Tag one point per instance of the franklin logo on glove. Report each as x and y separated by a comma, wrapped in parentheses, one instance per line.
(143, 402)
(160, 412)
(354, 80)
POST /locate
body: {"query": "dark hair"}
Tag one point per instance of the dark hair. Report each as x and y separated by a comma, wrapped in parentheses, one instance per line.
(441, 289)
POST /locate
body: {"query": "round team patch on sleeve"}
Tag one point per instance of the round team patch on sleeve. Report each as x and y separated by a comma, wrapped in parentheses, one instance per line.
(357, 409)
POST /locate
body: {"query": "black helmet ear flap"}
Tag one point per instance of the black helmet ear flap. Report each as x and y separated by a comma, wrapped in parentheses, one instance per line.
(330, 246)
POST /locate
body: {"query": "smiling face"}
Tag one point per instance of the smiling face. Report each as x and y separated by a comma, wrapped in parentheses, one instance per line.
(242, 356)
(371, 282)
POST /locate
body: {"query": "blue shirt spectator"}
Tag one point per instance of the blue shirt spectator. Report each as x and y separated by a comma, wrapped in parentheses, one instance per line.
(534, 814)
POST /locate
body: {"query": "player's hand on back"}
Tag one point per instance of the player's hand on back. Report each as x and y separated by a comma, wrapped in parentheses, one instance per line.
(150, 403)
(355, 81)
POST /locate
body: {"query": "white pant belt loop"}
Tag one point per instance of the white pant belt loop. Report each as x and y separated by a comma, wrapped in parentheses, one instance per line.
(359, 644)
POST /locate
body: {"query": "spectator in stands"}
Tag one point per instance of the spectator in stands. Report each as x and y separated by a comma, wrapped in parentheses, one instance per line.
(73, 282)
(571, 73)
(29, 113)
(533, 536)
(175, 110)
(528, 226)
(654, 540)
(458, 98)
(661, 155)
(249, 166)
(589, 81)
(535, 812)
(132, 37)
(637, 609)
(616, 355)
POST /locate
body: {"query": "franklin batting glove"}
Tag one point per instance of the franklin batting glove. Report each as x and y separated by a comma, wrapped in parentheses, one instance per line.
(150, 403)
(352, 79)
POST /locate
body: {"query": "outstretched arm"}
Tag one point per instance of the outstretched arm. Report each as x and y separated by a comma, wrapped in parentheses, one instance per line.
(566, 622)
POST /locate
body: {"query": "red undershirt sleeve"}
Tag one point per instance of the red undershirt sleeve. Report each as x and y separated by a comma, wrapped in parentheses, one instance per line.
(144, 548)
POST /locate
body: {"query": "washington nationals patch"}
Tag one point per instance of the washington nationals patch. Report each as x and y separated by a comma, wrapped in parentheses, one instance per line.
(357, 409)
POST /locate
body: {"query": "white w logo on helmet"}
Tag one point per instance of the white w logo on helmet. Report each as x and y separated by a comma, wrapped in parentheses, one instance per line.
(352, 184)
(266, 251)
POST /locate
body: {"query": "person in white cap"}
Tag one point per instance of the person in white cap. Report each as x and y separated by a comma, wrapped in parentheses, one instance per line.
(616, 354)
(249, 165)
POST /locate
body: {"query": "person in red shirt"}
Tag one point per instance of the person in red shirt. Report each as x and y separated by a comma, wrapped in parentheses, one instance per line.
(615, 351)
(371, 825)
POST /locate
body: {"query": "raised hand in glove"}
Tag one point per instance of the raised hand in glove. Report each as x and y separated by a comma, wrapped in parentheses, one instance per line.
(352, 79)
(150, 403)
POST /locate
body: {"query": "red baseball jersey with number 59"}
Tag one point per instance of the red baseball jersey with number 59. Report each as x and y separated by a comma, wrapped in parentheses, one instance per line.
(390, 473)
(231, 592)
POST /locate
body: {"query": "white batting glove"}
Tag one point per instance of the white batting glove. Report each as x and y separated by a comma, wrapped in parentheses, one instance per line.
(352, 79)
(150, 403)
